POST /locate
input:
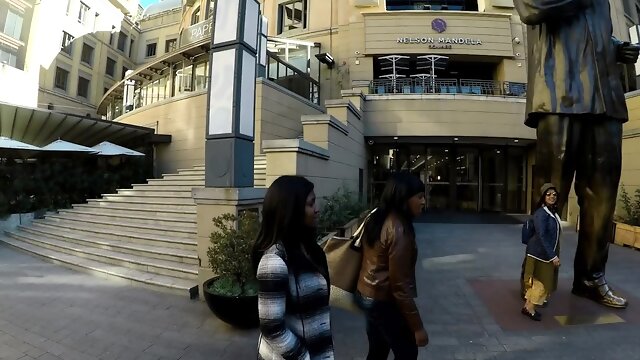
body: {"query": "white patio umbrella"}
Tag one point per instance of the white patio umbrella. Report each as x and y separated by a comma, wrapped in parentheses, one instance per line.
(106, 148)
(14, 148)
(61, 146)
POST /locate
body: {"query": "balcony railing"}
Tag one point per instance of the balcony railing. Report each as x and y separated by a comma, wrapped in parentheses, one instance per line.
(447, 86)
(292, 79)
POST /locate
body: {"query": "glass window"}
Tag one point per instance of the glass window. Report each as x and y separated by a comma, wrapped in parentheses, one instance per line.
(124, 71)
(13, 25)
(111, 67)
(201, 76)
(131, 47)
(62, 77)
(67, 45)
(195, 16)
(466, 5)
(292, 16)
(87, 54)
(170, 45)
(8, 56)
(83, 87)
(151, 49)
(122, 41)
(82, 14)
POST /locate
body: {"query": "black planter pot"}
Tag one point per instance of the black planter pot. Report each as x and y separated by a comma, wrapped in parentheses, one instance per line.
(237, 311)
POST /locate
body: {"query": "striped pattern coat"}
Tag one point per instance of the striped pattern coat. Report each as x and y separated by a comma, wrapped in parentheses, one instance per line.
(294, 322)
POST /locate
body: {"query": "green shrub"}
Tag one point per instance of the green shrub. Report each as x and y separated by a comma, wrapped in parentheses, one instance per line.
(630, 206)
(230, 253)
(339, 209)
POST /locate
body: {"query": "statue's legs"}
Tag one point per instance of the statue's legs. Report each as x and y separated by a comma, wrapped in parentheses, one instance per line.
(591, 147)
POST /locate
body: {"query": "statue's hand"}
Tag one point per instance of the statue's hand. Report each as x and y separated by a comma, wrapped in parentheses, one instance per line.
(627, 53)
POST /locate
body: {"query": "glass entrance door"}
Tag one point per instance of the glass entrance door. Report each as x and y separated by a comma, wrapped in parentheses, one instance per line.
(467, 179)
(438, 178)
(493, 178)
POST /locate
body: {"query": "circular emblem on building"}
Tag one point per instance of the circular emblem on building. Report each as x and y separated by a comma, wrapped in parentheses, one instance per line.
(439, 25)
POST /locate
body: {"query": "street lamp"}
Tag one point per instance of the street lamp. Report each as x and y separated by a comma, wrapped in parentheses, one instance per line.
(231, 94)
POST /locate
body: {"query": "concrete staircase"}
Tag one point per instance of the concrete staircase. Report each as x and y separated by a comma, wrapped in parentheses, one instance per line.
(145, 235)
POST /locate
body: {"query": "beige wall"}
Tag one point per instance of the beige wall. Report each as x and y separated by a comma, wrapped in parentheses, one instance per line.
(445, 115)
(330, 155)
(383, 29)
(631, 146)
(182, 117)
(278, 113)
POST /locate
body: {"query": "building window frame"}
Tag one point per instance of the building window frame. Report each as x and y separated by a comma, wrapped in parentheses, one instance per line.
(8, 56)
(61, 79)
(67, 43)
(122, 41)
(84, 87)
(170, 45)
(124, 72)
(131, 42)
(195, 16)
(82, 12)
(86, 56)
(13, 24)
(111, 65)
(287, 19)
(151, 49)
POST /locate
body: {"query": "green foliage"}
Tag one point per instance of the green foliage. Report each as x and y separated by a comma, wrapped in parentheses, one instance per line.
(631, 207)
(49, 184)
(230, 253)
(338, 209)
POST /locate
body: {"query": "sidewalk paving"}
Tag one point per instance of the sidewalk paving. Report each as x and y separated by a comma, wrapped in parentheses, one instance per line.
(467, 281)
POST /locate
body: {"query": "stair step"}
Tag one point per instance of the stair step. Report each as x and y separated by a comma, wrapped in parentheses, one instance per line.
(194, 183)
(183, 177)
(150, 251)
(198, 167)
(188, 172)
(136, 277)
(163, 187)
(152, 206)
(142, 218)
(137, 262)
(174, 200)
(179, 232)
(115, 209)
(119, 235)
(156, 192)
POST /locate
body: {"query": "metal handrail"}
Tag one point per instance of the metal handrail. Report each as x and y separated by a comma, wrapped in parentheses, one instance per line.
(447, 86)
(292, 78)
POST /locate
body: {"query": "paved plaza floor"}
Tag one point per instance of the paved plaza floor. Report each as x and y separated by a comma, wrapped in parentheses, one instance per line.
(468, 296)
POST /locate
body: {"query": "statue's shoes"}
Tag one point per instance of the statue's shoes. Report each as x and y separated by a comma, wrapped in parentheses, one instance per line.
(600, 292)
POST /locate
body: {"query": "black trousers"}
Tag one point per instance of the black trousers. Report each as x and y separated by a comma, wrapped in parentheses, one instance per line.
(387, 330)
(589, 147)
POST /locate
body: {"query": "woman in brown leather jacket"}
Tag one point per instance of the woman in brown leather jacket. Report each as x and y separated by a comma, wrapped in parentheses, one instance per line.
(387, 282)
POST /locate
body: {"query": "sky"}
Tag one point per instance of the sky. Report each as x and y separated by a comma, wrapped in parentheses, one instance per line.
(146, 3)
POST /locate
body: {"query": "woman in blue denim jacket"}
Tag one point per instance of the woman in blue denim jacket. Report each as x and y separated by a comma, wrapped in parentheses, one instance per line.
(543, 251)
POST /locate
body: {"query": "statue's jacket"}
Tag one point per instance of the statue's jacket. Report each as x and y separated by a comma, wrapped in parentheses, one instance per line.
(572, 65)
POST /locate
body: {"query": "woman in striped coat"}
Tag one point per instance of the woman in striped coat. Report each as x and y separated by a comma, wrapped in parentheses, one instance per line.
(293, 299)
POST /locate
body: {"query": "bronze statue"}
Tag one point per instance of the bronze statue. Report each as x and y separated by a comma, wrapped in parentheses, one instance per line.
(575, 100)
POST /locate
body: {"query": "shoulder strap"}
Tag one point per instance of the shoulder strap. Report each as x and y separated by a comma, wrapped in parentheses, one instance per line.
(357, 235)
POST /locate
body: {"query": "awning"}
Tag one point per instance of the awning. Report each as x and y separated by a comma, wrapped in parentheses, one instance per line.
(106, 148)
(39, 127)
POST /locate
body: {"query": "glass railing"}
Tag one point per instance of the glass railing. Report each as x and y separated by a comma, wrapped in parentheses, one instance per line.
(447, 86)
(292, 79)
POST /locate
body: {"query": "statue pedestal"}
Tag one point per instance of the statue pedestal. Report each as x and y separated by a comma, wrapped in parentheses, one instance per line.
(212, 202)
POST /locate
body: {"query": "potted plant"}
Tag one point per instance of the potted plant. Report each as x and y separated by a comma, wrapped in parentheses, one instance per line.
(340, 212)
(628, 225)
(232, 294)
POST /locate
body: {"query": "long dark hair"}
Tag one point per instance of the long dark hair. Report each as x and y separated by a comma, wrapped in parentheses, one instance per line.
(283, 222)
(394, 200)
